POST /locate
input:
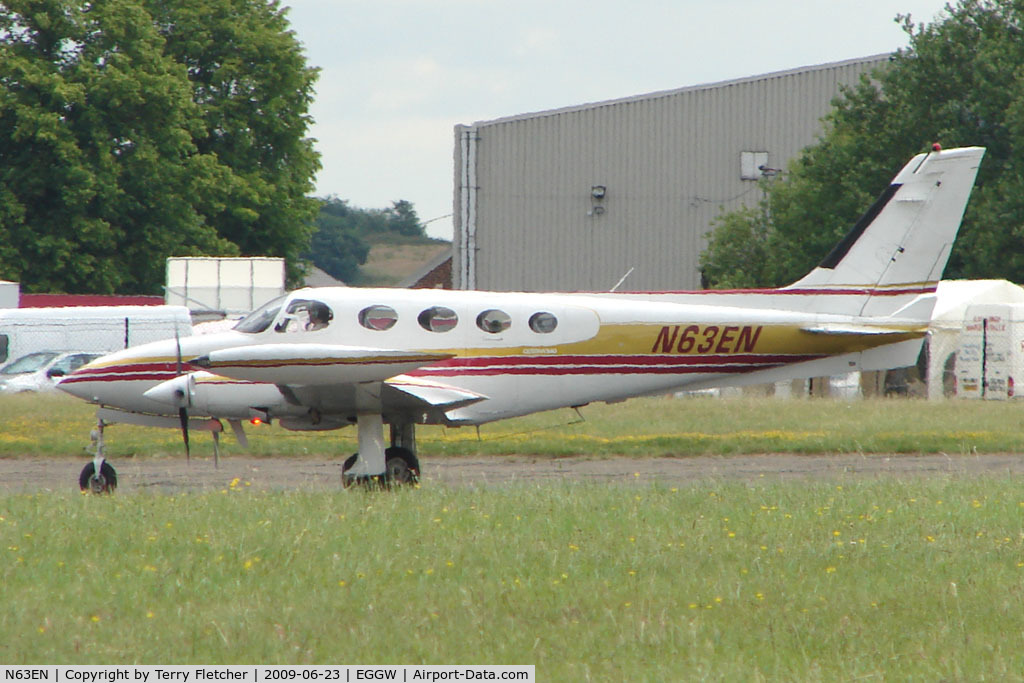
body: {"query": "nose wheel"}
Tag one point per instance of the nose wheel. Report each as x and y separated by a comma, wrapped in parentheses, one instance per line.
(104, 482)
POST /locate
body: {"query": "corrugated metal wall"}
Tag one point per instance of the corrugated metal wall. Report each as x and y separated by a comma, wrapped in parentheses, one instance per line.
(525, 217)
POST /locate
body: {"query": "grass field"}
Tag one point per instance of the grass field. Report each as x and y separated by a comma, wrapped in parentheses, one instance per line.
(60, 425)
(850, 579)
(812, 581)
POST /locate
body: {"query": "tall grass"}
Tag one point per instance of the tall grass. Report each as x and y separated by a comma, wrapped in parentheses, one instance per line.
(59, 425)
(916, 579)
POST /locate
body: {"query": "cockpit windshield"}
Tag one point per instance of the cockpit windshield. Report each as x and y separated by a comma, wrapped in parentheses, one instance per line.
(260, 319)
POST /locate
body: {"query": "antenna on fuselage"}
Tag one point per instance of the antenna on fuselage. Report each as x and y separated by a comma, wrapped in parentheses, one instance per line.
(622, 279)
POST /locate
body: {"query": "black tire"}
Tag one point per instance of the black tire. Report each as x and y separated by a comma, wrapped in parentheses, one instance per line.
(401, 465)
(107, 479)
(350, 461)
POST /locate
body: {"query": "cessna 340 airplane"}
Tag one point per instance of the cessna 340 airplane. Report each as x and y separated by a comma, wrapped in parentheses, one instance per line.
(326, 358)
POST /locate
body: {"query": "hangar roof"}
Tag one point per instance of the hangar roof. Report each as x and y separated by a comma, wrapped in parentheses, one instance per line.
(690, 88)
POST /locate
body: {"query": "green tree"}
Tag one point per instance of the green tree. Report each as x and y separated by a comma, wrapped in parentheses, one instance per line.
(402, 219)
(343, 234)
(740, 236)
(337, 246)
(253, 89)
(960, 82)
(106, 160)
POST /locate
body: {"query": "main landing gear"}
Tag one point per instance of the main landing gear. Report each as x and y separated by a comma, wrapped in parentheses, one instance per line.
(377, 466)
(401, 467)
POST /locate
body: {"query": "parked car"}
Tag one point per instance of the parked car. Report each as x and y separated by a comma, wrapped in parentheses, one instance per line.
(40, 371)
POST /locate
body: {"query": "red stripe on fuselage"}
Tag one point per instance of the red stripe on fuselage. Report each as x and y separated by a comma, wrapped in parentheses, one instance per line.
(606, 365)
(897, 290)
(510, 365)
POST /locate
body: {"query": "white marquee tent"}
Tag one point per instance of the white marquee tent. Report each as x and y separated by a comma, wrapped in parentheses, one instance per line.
(954, 297)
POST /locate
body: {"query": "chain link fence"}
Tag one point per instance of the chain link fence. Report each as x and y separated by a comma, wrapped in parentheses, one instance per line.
(24, 331)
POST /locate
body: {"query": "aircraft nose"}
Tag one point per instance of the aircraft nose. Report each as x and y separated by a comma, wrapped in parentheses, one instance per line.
(80, 383)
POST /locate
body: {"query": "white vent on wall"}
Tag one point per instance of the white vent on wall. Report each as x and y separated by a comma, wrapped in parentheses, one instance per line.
(751, 163)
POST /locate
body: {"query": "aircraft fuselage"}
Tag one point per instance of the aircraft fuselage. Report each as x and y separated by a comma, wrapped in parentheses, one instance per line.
(524, 352)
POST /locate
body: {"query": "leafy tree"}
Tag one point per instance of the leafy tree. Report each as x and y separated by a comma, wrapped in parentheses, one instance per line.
(112, 159)
(960, 82)
(402, 219)
(253, 89)
(337, 246)
(742, 238)
(343, 234)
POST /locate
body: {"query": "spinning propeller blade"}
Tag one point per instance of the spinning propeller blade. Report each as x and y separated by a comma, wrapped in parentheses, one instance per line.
(183, 416)
(182, 409)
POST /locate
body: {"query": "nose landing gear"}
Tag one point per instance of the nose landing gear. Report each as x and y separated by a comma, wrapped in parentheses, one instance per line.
(98, 476)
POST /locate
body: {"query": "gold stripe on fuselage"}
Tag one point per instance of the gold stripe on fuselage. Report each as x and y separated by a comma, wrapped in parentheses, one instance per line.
(697, 340)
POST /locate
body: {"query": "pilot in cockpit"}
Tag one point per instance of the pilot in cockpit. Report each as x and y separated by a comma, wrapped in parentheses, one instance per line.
(305, 315)
(319, 316)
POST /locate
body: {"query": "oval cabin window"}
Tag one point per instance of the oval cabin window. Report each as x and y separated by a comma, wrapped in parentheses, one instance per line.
(438, 319)
(543, 322)
(493, 321)
(378, 317)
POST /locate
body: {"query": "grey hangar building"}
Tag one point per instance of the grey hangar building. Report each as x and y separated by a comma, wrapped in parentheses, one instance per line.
(573, 199)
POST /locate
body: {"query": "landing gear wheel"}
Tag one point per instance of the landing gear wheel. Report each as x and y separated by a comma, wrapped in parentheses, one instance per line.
(106, 482)
(401, 467)
(346, 479)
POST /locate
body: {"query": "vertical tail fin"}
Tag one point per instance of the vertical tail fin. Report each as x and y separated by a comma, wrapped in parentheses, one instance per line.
(899, 248)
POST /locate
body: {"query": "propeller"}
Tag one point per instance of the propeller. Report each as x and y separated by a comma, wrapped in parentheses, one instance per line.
(182, 407)
(183, 417)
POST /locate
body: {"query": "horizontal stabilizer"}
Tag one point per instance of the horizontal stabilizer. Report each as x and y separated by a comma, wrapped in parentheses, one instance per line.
(919, 309)
(313, 364)
(856, 329)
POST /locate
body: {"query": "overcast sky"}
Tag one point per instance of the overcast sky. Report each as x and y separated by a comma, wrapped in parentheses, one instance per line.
(397, 75)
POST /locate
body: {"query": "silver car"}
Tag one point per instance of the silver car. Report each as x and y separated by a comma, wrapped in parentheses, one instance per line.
(40, 371)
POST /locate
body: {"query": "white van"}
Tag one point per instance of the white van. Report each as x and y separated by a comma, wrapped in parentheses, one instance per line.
(99, 329)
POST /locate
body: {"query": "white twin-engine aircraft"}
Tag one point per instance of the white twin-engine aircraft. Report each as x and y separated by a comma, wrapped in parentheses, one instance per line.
(326, 358)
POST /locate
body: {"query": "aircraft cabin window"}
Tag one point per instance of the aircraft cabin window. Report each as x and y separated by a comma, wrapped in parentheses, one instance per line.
(543, 322)
(438, 319)
(305, 315)
(493, 321)
(378, 317)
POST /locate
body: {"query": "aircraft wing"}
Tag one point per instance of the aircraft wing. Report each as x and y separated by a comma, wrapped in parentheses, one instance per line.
(430, 401)
(313, 364)
(434, 394)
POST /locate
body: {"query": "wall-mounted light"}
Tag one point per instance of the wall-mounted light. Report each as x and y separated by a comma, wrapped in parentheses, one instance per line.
(597, 195)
